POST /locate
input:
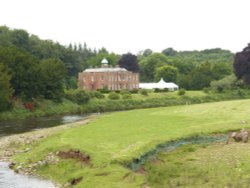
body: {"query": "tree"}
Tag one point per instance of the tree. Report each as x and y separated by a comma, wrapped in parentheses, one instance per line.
(5, 89)
(167, 72)
(169, 52)
(20, 38)
(149, 64)
(5, 36)
(242, 65)
(129, 62)
(52, 75)
(220, 70)
(200, 76)
(95, 61)
(147, 52)
(24, 70)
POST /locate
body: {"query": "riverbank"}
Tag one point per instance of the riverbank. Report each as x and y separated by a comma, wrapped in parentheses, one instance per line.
(42, 108)
(11, 145)
(137, 101)
(98, 154)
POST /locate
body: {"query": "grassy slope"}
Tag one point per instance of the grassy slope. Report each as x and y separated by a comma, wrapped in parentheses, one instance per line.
(217, 165)
(119, 137)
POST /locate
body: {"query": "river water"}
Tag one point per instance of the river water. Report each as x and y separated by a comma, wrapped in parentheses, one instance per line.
(10, 179)
(9, 127)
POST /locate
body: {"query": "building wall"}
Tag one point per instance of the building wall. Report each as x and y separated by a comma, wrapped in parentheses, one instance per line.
(118, 80)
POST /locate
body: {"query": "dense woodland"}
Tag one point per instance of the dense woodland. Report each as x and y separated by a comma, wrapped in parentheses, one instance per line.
(32, 68)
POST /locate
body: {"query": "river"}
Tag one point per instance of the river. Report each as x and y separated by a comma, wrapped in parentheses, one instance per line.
(9, 127)
(10, 179)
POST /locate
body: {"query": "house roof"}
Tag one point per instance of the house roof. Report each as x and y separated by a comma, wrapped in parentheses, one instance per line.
(159, 85)
(106, 69)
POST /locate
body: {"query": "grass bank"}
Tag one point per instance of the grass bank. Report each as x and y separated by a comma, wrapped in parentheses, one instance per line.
(116, 139)
(42, 108)
(137, 101)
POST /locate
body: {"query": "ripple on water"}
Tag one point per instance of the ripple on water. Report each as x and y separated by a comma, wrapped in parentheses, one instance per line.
(10, 179)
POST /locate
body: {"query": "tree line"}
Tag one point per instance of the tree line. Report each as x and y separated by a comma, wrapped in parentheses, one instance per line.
(31, 67)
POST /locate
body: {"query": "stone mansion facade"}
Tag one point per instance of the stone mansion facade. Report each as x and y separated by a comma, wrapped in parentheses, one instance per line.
(113, 79)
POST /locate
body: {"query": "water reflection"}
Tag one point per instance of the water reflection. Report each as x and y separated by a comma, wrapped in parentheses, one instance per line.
(9, 127)
(9, 179)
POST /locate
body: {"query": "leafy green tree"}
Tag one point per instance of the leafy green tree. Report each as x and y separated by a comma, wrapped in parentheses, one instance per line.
(147, 52)
(20, 38)
(169, 52)
(149, 65)
(201, 76)
(167, 72)
(5, 89)
(24, 70)
(95, 61)
(129, 62)
(52, 76)
(184, 68)
(5, 36)
(220, 70)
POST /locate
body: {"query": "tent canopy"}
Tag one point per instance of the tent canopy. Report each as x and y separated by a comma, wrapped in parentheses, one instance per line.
(159, 85)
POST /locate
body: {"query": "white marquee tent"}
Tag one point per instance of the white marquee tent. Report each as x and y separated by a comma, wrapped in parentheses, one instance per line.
(159, 85)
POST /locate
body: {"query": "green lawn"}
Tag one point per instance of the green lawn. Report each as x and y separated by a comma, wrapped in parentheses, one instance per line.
(117, 138)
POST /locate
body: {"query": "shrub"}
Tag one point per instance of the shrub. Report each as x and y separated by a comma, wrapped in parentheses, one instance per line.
(181, 92)
(144, 92)
(157, 90)
(124, 92)
(82, 97)
(226, 83)
(134, 91)
(105, 90)
(97, 94)
(206, 90)
(113, 96)
(78, 96)
(29, 106)
(126, 96)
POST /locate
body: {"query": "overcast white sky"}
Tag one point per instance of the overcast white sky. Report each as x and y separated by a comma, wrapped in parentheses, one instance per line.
(133, 25)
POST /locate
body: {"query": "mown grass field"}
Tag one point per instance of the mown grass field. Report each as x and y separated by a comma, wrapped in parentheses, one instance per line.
(116, 138)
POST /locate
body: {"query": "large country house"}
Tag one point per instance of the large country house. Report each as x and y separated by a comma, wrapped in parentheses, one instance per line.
(111, 78)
